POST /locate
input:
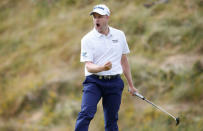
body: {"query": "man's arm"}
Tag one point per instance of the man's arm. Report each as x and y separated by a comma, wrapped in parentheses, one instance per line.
(93, 68)
(127, 73)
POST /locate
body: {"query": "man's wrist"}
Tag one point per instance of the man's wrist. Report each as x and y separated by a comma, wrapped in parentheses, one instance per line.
(101, 68)
(131, 86)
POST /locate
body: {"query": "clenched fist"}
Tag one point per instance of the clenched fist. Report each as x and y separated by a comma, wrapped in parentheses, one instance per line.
(107, 66)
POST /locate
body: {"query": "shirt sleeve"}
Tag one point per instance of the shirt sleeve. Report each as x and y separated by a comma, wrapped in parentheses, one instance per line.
(86, 51)
(125, 46)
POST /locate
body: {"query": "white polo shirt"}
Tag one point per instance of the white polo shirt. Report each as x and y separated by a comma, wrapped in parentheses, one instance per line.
(99, 49)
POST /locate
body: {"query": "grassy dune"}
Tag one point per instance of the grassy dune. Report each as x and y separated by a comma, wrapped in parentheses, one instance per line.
(41, 76)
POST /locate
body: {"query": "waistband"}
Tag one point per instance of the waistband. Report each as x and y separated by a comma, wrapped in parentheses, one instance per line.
(106, 77)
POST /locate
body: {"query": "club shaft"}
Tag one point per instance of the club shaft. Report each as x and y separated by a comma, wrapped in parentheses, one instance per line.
(160, 108)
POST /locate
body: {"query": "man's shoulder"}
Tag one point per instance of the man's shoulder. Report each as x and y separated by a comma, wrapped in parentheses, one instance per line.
(88, 36)
(116, 31)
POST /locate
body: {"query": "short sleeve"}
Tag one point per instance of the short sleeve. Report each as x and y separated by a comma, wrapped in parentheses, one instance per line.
(86, 51)
(125, 46)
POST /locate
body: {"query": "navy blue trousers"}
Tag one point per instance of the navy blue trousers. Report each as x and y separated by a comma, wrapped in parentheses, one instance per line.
(93, 90)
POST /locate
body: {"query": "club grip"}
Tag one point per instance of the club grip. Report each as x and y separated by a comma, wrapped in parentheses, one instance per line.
(139, 95)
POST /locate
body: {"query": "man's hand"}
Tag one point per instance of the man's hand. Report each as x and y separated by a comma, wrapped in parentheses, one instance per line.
(132, 90)
(107, 66)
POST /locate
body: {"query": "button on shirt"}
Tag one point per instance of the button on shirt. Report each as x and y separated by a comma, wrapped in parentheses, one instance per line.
(99, 49)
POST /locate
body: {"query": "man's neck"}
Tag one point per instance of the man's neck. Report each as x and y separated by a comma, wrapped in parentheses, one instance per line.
(105, 31)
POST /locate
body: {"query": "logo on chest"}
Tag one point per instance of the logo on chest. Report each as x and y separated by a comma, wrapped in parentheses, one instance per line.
(115, 41)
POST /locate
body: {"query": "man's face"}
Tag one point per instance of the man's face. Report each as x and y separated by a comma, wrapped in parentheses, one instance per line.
(100, 22)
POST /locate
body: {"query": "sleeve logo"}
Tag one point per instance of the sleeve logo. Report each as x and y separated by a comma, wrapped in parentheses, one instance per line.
(84, 54)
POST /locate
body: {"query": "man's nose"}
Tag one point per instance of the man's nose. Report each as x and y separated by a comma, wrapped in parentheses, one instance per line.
(96, 19)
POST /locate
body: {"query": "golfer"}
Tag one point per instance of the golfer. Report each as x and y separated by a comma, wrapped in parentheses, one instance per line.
(103, 50)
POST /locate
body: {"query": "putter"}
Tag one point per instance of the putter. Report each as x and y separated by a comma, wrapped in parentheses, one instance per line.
(143, 98)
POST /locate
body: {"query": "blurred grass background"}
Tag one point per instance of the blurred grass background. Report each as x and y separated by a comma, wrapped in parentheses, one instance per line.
(41, 76)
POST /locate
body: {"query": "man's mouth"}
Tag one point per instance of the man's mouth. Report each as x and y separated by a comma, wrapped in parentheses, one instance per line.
(97, 25)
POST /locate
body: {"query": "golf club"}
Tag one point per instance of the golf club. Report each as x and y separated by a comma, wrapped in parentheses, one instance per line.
(143, 98)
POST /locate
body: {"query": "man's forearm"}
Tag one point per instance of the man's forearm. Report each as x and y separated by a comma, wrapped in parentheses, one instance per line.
(126, 70)
(128, 76)
(93, 68)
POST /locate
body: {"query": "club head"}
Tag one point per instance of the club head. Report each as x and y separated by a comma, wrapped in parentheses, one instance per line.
(177, 121)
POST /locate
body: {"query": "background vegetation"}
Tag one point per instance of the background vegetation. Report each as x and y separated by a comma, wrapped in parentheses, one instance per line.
(41, 76)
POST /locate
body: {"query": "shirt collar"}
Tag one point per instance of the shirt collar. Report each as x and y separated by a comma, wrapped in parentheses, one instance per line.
(100, 35)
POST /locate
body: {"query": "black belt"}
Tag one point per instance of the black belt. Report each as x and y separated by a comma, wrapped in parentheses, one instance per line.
(106, 77)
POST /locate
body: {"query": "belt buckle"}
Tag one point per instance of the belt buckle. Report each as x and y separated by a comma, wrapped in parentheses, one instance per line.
(106, 77)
